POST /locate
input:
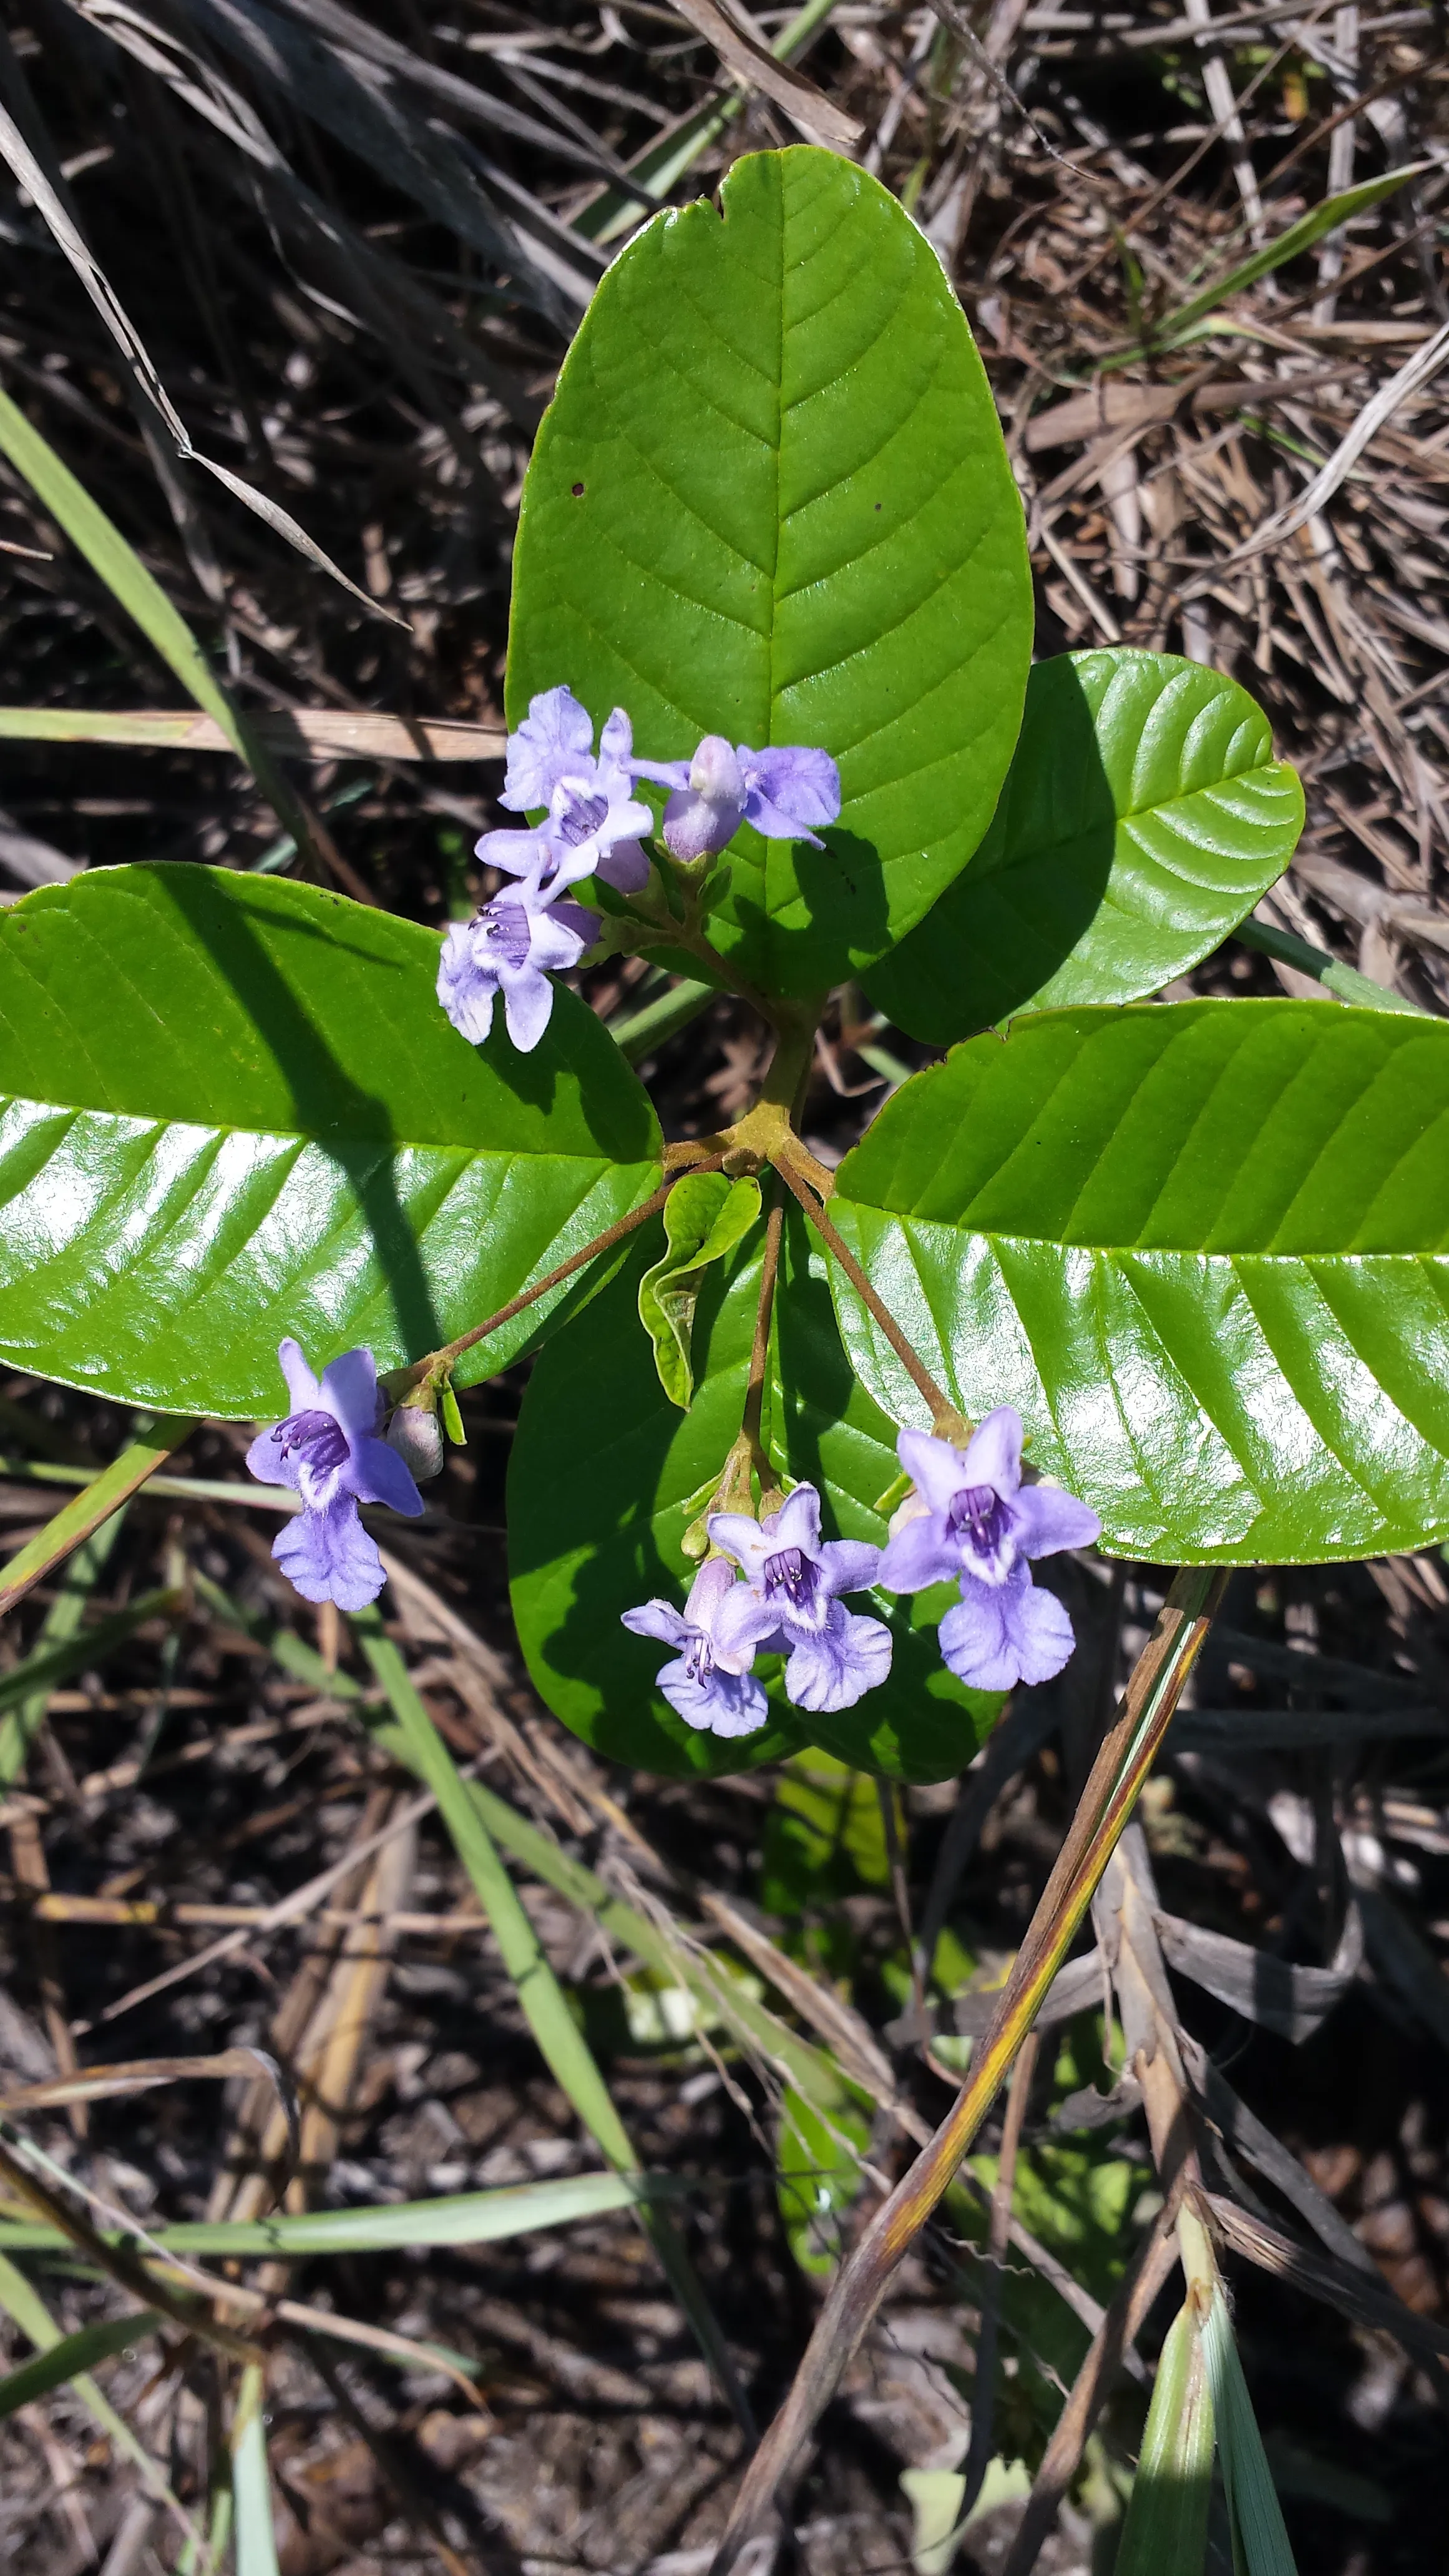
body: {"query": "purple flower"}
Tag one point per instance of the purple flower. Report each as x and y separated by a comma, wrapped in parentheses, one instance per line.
(782, 792)
(972, 1518)
(711, 1685)
(594, 819)
(329, 1452)
(835, 1657)
(511, 947)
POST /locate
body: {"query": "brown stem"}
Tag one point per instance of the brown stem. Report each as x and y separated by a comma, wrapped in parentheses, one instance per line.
(944, 1414)
(401, 1379)
(1123, 1762)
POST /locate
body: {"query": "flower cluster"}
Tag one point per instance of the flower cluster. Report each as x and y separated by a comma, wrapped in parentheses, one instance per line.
(592, 826)
(785, 1600)
(968, 1519)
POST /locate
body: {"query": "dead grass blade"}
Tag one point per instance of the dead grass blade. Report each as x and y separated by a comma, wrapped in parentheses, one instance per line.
(807, 107)
(303, 733)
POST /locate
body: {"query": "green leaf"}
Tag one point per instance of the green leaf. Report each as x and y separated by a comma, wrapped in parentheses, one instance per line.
(1142, 818)
(1260, 2540)
(235, 1110)
(72, 2357)
(602, 1466)
(818, 2174)
(1165, 2533)
(256, 2531)
(1173, 328)
(705, 1216)
(459, 2218)
(1203, 1247)
(771, 499)
(606, 1476)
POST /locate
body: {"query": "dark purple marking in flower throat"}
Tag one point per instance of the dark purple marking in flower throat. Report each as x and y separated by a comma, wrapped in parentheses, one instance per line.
(584, 816)
(316, 1436)
(506, 925)
(795, 1574)
(980, 1509)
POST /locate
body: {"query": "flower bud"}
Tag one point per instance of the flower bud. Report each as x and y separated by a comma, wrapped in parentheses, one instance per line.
(416, 1434)
(701, 818)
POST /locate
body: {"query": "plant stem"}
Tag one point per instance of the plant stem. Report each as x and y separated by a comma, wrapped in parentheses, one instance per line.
(1123, 1762)
(945, 1417)
(760, 1349)
(400, 1380)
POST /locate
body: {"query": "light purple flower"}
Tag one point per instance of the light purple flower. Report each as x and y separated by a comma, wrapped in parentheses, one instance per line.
(835, 1657)
(783, 792)
(711, 1685)
(328, 1450)
(511, 947)
(972, 1519)
(594, 819)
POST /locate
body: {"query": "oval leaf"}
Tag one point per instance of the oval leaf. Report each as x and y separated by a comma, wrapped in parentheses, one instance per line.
(233, 1109)
(1142, 818)
(771, 500)
(1203, 1247)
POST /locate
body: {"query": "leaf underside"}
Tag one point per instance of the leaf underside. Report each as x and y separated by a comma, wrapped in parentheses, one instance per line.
(1203, 1247)
(1142, 818)
(232, 1109)
(771, 500)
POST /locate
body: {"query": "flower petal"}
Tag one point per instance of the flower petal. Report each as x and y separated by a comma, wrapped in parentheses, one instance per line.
(349, 1393)
(743, 1539)
(934, 1467)
(527, 1005)
(795, 1524)
(467, 983)
(328, 1556)
(380, 1474)
(727, 1704)
(517, 853)
(838, 1664)
(301, 1379)
(657, 1619)
(993, 1454)
(1044, 1519)
(266, 1463)
(555, 735)
(920, 1554)
(625, 867)
(738, 1624)
(1002, 1634)
(661, 773)
(850, 1565)
(789, 789)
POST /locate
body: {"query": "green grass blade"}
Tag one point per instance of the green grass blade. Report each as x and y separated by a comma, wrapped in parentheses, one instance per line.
(1166, 2530)
(566, 2051)
(459, 2218)
(256, 2537)
(1310, 228)
(29, 2312)
(118, 564)
(1344, 982)
(20, 1724)
(72, 2357)
(637, 1033)
(1259, 2533)
(100, 1496)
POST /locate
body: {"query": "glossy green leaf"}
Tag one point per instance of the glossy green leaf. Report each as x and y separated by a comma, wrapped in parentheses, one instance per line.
(233, 1109)
(705, 1215)
(771, 500)
(1166, 2530)
(1203, 1247)
(605, 1478)
(602, 1468)
(1142, 817)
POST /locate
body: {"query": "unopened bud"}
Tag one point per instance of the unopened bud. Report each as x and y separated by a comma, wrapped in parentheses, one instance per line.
(701, 818)
(416, 1434)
